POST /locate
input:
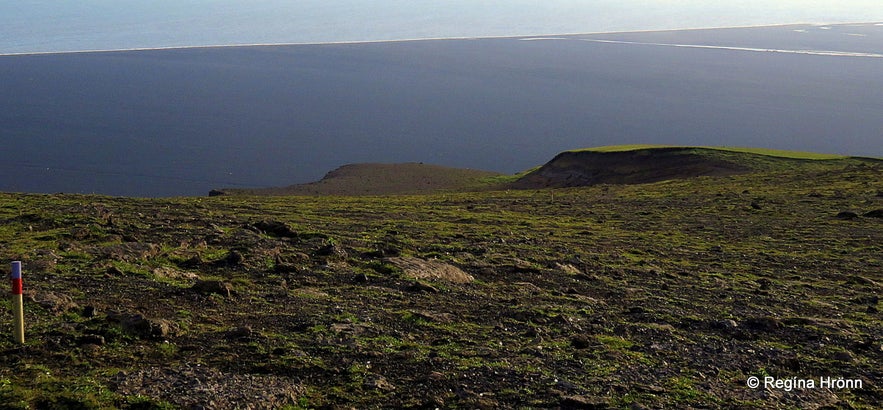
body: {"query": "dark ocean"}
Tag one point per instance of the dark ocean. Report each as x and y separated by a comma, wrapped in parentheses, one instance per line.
(184, 121)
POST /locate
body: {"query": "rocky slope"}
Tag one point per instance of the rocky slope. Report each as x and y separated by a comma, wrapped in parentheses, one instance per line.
(660, 295)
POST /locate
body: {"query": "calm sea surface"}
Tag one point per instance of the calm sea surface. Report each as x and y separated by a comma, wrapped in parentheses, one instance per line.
(184, 121)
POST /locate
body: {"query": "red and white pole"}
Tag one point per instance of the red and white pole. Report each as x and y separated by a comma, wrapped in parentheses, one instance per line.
(18, 313)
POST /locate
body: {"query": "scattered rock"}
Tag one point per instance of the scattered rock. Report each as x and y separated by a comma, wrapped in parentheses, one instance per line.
(33, 222)
(763, 323)
(433, 270)
(583, 403)
(331, 251)
(843, 356)
(138, 325)
(166, 272)
(727, 324)
(43, 260)
(193, 262)
(216, 192)
(871, 300)
(378, 382)
(568, 268)
(420, 287)
(432, 316)
(275, 228)
(877, 213)
(208, 287)
(528, 287)
(192, 386)
(54, 302)
(234, 258)
(861, 280)
(764, 283)
(349, 328)
(96, 340)
(89, 311)
(846, 215)
(239, 333)
(581, 342)
(755, 205)
(129, 251)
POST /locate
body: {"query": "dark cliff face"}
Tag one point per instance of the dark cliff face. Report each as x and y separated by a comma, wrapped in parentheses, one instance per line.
(572, 169)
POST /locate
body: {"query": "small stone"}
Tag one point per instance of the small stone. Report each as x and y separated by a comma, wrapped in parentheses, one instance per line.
(55, 302)
(89, 311)
(379, 383)
(583, 402)
(436, 376)
(846, 215)
(877, 213)
(421, 287)
(208, 287)
(843, 356)
(242, 332)
(580, 342)
(275, 228)
(97, 340)
(763, 323)
(167, 272)
(140, 326)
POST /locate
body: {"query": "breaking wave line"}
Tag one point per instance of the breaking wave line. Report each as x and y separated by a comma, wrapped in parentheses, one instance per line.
(751, 49)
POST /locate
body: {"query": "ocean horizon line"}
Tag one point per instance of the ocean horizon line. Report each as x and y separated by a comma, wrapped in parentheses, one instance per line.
(416, 39)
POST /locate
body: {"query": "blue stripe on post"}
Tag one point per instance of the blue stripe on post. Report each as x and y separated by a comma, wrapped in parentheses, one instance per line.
(16, 270)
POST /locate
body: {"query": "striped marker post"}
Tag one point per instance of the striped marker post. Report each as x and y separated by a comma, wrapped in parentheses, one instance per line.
(18, 313)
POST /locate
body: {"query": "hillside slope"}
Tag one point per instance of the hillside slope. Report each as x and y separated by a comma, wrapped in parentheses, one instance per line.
(623, 164)
(641, 164)
(381, 179)
(666, 295)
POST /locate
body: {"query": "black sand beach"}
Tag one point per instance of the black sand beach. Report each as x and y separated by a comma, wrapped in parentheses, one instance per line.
(183, 121)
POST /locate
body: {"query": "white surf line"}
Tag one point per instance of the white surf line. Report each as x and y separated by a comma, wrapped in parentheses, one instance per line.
(541, 38)
(751, 49)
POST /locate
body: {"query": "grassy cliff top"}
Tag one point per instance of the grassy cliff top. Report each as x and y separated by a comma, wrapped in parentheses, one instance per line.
(758, 151)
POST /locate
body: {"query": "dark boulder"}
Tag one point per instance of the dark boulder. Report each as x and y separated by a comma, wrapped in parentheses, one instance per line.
(275, 228)
(846, 215)
(210, 287)
(142, 327)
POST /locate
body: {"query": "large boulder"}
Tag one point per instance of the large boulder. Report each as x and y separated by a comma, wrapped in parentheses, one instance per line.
(430, 270)
(142, 327)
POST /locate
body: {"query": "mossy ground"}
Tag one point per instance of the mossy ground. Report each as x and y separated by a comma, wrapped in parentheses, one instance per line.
(642, 296)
